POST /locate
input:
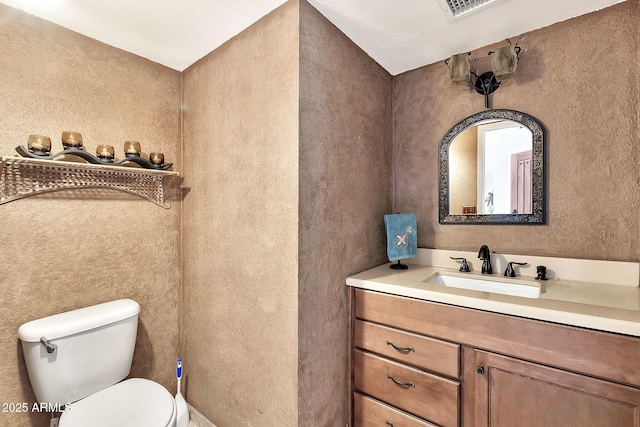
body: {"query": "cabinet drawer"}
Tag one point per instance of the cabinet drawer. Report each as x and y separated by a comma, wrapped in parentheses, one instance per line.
(368, 412)
(427, 396)
(428, 353)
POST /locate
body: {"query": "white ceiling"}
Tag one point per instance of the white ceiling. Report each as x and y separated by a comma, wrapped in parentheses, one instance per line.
(399, 34)
(405, 34)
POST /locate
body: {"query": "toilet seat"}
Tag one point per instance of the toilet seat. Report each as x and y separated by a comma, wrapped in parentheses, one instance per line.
(135, 402)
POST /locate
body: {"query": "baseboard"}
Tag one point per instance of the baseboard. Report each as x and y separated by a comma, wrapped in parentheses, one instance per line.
(196, 419)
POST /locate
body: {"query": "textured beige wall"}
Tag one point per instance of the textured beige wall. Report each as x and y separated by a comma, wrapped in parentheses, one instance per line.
(345, 175)
(70, 249)
(241, 226)
(581, 79)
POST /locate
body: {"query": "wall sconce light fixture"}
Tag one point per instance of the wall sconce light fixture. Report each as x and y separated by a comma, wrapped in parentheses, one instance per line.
(504, 63)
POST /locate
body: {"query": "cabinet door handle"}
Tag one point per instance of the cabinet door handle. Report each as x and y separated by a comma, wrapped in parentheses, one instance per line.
(389, 423)
(400, 383)
(401, 349)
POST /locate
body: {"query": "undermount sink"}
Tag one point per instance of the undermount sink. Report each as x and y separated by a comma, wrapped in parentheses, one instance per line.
(496, 285)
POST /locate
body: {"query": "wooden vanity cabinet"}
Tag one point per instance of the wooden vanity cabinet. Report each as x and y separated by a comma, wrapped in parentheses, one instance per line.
(475, 368)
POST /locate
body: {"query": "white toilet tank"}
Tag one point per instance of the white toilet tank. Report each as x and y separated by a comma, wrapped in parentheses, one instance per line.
(92, 349)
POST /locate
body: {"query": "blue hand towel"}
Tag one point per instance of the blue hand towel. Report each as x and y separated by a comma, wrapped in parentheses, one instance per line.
(402, 236)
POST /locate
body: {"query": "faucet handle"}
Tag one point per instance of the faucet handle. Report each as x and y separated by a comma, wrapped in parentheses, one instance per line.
(510, 272)
(464, 266)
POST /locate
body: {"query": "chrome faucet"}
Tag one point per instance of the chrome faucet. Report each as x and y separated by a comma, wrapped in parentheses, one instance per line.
(485, 256)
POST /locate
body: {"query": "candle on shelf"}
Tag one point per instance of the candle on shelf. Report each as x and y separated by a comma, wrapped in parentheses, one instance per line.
(71, 139)
(105, 152)
(39, 144)
(156, 158)
(132, 149)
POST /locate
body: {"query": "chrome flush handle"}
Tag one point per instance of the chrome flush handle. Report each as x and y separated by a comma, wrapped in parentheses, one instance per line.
(49, 346)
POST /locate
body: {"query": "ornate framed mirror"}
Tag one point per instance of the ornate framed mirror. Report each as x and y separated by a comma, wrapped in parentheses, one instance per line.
(492, 170)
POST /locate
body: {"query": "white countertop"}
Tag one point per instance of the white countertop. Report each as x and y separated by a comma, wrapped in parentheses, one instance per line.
(602, 306)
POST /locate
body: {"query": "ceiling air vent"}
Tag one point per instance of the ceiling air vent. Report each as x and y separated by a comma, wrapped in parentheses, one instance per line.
(455, 9)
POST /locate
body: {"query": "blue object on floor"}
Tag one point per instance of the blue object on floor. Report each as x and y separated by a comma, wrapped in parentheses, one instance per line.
(402, 236)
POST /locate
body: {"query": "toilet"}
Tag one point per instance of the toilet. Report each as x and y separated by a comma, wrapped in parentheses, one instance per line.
(79, 358)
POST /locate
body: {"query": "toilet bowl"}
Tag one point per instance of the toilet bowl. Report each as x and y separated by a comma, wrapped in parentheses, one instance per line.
(135, 402)
(79, 359)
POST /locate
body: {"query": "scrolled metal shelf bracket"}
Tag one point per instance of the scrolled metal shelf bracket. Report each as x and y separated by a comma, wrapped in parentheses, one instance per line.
(23, 177)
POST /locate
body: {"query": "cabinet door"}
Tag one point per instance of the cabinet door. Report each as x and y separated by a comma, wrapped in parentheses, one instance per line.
(510, 392)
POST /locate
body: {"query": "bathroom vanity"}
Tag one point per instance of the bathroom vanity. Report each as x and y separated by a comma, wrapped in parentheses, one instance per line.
(425, 354)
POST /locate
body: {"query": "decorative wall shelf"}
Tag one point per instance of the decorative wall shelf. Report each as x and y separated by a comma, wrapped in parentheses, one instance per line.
(22, 177)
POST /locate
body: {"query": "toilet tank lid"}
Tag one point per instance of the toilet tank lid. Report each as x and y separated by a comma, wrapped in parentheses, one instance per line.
(80, 320)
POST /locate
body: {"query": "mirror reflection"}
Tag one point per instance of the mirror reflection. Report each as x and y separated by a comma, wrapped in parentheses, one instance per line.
(492, 169)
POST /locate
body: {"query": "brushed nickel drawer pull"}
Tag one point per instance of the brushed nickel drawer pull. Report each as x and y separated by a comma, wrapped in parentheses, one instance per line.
(401, 349)
(400, 383)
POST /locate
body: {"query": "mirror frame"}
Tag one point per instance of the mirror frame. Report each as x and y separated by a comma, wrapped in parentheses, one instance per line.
(537, 216)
